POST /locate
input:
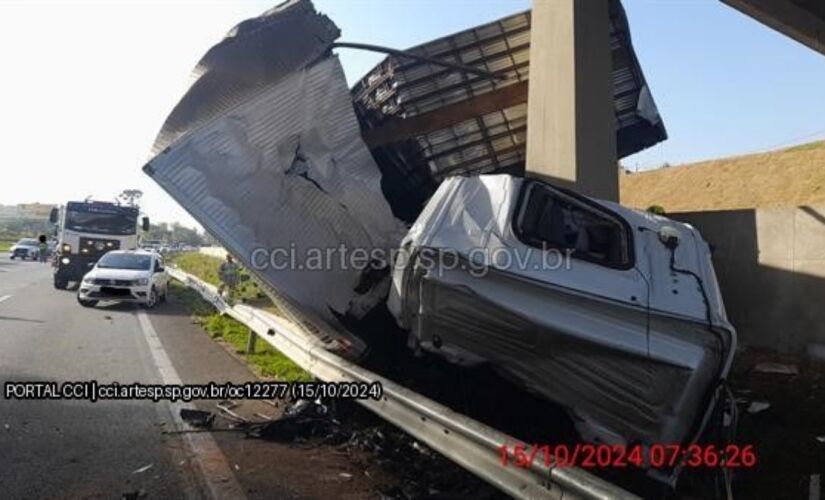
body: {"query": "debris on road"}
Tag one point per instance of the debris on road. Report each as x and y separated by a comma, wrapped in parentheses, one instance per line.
(143, 469)
(301, 421)
(777, 368)
(758, 406)
(197, 418)
(226, 406)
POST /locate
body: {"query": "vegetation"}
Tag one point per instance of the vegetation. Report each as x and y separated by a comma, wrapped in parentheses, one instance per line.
(206, 268)
(788, 177)
(656, 209)
(175, 233)
(267, 361)
(11, 230)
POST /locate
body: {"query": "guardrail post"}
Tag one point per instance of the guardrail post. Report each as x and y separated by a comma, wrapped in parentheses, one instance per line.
(250, 341)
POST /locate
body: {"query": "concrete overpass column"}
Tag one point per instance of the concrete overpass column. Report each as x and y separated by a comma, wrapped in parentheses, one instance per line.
(571, 129)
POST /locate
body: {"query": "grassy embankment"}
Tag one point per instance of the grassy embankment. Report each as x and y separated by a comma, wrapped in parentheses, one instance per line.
(5, 245)
(267, 361)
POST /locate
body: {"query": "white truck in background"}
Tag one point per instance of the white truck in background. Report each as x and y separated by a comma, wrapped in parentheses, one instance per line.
(86, 230)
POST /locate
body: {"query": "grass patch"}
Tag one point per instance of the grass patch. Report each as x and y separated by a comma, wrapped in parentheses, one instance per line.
(267, 361)
(806, 147)
(6, 245)
(206, 268)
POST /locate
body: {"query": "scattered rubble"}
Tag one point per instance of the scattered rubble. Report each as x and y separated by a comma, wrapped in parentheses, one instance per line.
(758, 406)
(143, 469)
(778, 368)
(197, 418)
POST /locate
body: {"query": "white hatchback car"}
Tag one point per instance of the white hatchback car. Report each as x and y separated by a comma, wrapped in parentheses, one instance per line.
(125, 276)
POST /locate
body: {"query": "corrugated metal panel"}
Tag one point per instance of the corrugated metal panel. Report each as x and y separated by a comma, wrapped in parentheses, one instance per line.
(493, 142)
(286, 171)
(253, 54)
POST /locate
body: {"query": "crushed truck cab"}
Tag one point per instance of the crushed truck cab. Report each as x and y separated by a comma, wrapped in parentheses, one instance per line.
(614, 314)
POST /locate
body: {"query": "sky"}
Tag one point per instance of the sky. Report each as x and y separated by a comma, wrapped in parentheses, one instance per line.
(86, 85)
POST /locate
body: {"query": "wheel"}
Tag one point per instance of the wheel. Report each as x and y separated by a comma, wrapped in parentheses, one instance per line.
(11, 257)
(153, 299)
(85, 302)
(60, 283)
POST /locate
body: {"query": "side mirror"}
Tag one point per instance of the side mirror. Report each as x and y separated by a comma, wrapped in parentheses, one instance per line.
(145, 223)
(53, 215)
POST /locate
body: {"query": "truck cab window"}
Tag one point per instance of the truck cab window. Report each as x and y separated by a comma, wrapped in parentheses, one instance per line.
(551, 218)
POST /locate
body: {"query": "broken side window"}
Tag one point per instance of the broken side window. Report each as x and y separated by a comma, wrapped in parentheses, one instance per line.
(551, 218)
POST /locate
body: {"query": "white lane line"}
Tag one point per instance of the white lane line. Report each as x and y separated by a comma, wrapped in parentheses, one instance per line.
(214, 469)
(5, 297)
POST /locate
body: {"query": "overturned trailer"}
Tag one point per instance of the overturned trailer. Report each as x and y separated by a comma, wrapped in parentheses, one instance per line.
(313, 187)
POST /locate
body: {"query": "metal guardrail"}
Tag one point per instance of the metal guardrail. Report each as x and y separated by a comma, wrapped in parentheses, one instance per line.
(470, 444)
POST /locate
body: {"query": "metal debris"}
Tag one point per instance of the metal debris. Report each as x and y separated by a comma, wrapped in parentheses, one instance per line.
(778, 368)
(197, 418)
(301, 421)
(758, 406)
(226, 407)
(143, 469)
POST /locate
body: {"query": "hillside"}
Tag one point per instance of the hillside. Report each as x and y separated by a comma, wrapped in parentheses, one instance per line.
(785, 177)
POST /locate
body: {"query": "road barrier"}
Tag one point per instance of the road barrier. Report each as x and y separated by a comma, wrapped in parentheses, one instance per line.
(470, 444)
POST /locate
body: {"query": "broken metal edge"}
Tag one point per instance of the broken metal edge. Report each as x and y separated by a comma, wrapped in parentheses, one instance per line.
(468, 443)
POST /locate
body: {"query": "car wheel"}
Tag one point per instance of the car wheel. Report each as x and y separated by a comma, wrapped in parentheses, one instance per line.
(61, 284)
(86, 302)
(152, 300)
(11, 257)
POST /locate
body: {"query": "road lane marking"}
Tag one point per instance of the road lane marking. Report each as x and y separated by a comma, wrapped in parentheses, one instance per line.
(214, 469)
(4, 297)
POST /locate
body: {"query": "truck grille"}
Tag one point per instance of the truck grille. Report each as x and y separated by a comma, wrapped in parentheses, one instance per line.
(97, 246)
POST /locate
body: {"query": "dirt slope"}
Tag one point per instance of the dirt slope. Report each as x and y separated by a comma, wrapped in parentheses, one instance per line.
(785, 177)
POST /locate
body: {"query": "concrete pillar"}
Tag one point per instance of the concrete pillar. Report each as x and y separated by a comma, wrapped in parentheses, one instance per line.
(571, 125)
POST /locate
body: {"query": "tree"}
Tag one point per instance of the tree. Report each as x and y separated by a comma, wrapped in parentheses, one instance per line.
(130, 197)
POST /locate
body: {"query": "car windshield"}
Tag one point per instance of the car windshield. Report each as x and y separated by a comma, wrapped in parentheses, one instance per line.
(27, 242)
(125, 261)
(92, 222)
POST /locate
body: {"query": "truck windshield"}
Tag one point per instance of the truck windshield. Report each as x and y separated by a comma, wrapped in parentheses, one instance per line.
(88, 222)
(125, 261)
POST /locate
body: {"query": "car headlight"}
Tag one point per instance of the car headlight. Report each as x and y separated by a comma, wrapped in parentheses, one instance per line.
(65, 260)
(143, 281)
(66, 248)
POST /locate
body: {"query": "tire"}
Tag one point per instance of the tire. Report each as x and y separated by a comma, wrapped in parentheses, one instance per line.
(61, 284)
(153, 299)
(85, 302)
(11, 257)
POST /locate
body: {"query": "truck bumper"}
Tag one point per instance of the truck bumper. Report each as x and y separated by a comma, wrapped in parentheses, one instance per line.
(73, 267)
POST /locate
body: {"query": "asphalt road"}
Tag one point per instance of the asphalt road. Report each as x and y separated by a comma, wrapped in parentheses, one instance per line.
(59, 448)
(81, 449)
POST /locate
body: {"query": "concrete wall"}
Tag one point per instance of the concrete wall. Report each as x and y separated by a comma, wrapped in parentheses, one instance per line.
(771, 267)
